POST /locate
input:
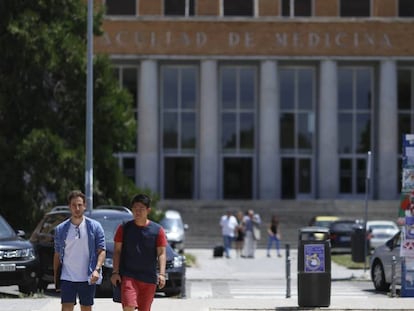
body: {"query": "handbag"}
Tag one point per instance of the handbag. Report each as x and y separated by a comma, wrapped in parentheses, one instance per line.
(256, 232)
(116, 293)
(57, 280)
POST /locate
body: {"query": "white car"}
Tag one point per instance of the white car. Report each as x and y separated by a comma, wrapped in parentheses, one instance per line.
(174, 229)
(381, 264)
(381, 231)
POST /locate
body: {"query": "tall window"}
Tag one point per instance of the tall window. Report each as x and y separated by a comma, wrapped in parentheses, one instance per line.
(238, 7)
(179, 137)
(355, 8)
(355, 100)
(128, 79)
(300, 8)
(405, 85)
(120, 7)
(297, 132)
(127, 163)
(179, 7)
(406, 8)
(238, 100)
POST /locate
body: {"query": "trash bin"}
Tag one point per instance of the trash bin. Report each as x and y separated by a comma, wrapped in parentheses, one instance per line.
(314, 267)
(358, 240)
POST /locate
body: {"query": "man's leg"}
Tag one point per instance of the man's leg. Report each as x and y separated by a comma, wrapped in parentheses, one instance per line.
(146, 292)
(86, 295)
(68, 293)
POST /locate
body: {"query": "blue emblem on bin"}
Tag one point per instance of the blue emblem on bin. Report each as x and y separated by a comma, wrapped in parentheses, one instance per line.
(314, 258)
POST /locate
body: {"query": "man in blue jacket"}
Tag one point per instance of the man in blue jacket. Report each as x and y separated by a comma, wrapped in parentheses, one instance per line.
(79, 255)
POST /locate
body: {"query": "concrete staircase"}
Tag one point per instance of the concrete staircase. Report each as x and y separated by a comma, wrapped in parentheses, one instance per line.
(203, 217)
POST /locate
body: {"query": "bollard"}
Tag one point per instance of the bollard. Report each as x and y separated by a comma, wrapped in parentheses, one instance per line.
(287, 270)
(393, 278)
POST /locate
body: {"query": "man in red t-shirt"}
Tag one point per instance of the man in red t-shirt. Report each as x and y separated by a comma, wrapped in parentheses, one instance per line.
(140, 246)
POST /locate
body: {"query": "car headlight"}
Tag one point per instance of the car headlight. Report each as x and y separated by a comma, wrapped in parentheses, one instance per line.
(26, 253)
(108, 263)
(178, 262)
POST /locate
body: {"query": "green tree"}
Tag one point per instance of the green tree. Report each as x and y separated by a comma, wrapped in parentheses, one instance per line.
(43, 111)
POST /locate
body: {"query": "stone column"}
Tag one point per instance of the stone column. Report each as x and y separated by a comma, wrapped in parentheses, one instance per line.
(209, 135)
(268, 126)
(148, 125)
(327, 152)
(387, 133)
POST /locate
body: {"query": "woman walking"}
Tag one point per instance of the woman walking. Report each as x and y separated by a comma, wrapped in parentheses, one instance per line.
(273, 236)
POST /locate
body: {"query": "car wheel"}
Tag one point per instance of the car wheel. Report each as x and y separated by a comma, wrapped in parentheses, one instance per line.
(173, 292)
(378, 277)
(29, 288)
(42, 285)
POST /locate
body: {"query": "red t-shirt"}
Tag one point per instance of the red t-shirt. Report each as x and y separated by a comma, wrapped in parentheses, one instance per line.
(161, 239)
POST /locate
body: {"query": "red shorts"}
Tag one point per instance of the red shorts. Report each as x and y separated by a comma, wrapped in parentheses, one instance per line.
(137, 294)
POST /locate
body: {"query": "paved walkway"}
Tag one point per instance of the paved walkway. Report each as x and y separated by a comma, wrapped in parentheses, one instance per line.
(210, 268)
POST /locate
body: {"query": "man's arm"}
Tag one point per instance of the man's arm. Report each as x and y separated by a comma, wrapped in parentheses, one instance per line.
(116, 257)
(98, 268)
(162, 260)
(101, 259)
(56, 265)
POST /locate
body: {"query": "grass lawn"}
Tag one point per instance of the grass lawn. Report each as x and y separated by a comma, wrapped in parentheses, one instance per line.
(346, 261)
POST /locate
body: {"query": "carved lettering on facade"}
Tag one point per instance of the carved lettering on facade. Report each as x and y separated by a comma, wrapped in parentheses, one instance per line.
(244, 39)
(314, 40)
(248, 40)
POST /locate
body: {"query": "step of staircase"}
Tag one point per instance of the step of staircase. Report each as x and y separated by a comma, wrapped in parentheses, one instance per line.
(203, 217)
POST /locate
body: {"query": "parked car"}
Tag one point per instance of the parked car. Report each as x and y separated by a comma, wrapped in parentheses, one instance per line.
(18, 260)
(174, 274)
(110, 218)
(174, 229)
(381, 263)
(321, 221)
(340, 235)
(381, 231)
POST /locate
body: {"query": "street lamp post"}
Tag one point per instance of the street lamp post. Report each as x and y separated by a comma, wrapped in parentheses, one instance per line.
(89, 111)
(367, 190)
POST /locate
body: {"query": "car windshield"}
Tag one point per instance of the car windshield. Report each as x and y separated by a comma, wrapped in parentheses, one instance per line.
(170, 223)
(5, 230)
(382, 227)
(342, 226)
(51, 221)
(323, 223)
(110, 225)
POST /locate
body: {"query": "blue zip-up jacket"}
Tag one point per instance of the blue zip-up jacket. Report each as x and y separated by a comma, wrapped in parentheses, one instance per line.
(96, 240)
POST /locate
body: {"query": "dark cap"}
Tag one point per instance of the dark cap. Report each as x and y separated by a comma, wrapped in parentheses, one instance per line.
(141, 198)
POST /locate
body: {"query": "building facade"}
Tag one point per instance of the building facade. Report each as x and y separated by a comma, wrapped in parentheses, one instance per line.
(265, 99)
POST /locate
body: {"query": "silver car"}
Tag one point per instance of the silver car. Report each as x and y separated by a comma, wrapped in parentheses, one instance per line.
(174, 229)
(381, 231)
(381, 263)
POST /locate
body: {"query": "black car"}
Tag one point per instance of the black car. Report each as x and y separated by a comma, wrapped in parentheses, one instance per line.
(174, 274)
(110, 218)
(18, 261)
(340, 235)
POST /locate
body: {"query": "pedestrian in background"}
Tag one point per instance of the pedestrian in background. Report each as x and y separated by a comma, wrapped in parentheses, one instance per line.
(228, 225)
(140, 246)
(79, 255)
(273, 232)
(252, 223)
(239, 239)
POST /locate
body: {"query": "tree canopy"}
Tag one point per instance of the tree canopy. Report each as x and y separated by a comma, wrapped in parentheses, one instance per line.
(43, 111)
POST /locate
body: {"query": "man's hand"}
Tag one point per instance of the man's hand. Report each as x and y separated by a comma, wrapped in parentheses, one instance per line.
(161, 281)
